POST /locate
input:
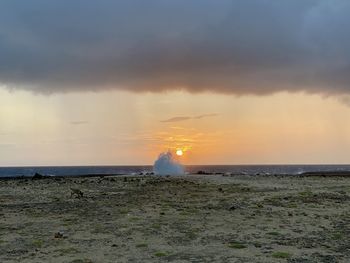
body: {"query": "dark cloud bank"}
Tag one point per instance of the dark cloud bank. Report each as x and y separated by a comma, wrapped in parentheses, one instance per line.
(238, 47)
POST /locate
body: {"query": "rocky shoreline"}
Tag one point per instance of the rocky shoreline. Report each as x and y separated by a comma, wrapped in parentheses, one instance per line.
(200, 172)
(192, 218)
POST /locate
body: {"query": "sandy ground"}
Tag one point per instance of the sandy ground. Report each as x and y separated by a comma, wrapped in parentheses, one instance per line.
(176, 219)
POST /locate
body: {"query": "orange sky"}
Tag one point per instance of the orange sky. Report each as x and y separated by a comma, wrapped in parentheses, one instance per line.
(125, 128)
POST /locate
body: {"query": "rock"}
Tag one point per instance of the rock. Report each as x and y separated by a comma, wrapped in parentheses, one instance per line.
(38, 176)
(203, 172)
(58, 235)
(232, 207)
(76, 192)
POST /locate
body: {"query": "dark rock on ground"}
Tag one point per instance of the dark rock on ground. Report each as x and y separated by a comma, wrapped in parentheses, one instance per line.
(38, 176)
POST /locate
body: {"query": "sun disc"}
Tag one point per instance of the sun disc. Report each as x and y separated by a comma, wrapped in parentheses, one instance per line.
(179, 152)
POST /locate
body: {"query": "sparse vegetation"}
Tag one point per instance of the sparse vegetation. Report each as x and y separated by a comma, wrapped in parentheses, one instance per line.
(67, 250)
(37, 243)
(84, 260)
(285, 255)
(274, 233)
(160, 254)
(237, 245)
(142, 245)
(338, 236)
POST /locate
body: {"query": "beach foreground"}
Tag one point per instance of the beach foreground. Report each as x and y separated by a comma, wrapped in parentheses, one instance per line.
(193, 218)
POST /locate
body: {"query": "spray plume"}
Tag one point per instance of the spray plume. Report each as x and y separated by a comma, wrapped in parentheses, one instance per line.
(167, 165)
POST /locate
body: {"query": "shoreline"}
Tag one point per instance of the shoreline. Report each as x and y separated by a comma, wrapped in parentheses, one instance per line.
(189, 218)
(199, 173)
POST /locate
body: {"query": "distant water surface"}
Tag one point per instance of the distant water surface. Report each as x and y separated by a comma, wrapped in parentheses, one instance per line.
(130, 170)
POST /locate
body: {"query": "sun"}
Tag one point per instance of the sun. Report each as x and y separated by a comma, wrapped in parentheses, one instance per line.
(179, 152)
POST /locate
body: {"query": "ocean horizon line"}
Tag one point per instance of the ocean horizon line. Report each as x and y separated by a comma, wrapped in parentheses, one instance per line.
(186, 165)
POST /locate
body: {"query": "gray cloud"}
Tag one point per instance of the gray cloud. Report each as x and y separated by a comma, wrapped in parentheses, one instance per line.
(206, 116)
(345, 100)
(186, 118)
(79, 122)
(227, 46)
(177, 119)
(7, 145)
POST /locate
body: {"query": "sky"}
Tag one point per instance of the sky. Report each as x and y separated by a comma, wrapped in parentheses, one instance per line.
(229, 82)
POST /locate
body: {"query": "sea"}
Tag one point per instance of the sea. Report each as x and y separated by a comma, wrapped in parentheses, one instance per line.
(190, 169)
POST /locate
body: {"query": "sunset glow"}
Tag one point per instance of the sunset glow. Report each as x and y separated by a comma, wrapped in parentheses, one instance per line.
(60, 129)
